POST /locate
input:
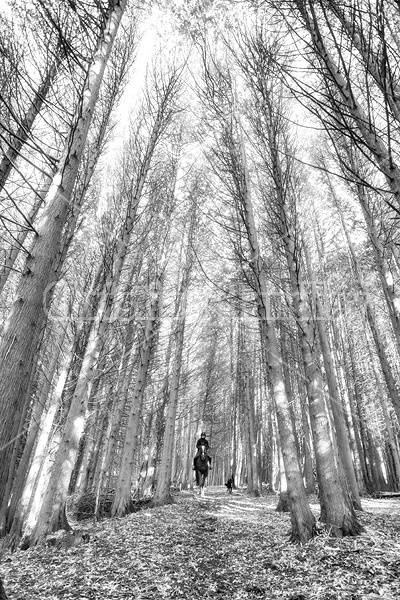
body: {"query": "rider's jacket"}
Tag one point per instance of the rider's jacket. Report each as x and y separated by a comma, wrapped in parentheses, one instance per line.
(202, 442)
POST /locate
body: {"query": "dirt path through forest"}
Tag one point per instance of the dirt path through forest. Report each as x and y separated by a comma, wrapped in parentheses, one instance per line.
(222, 546)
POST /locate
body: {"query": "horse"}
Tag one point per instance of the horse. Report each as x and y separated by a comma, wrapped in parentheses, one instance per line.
(201, 469)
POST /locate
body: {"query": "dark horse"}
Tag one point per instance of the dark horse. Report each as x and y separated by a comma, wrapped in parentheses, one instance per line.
(201, 465)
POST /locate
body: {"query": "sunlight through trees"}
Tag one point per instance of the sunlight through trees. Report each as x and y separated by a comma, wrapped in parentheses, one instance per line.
(199, 214)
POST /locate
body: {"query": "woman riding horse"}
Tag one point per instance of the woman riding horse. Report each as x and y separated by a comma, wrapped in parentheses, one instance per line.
(202, 441)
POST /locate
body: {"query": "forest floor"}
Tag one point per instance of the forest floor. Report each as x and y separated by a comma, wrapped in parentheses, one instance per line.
(219, 546)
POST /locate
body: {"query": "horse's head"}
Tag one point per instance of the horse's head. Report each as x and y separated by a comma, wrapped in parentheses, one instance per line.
(201, 464)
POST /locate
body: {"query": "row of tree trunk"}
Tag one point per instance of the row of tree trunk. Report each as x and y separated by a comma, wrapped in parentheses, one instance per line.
(108, 368)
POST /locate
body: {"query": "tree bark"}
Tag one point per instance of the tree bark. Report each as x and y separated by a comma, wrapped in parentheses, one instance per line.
(162, 494)
(377, 67)
(253, 477)
(393, 391)
(339, 79)
(336, 509)
(384, 271)
(334, 396)
(23, 466)
(122, 498)
(37, 468)
(302, 519)
(24, 130)
(28, 314)
(19, 241)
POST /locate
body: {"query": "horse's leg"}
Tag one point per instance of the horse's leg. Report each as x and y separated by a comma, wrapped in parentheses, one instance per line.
(203, 483)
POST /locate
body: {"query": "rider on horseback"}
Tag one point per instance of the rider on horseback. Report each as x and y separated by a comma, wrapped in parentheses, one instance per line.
(202, 441)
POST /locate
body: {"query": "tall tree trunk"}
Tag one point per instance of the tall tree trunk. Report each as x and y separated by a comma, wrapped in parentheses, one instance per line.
(19, 241)
(93, 437)
(35, 472)
(283, 503)
(288, 382)
(162, 494)
(122, 498)
(129, 362)
(393, 391)
(338, 78)
(336, 509)
(254, 477)
(229, 151)
(244, 391)
(302, 519)
(28, 314)
(388, 423)
(24, 462)
(308, 471)
(334, 396)
(352, 426)
(234, 396)
(384, 271)
(358, 418)
(52, 515)
(376, 65)
(24, 130)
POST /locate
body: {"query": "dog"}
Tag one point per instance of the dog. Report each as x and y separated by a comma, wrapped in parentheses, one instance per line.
(230, 485)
